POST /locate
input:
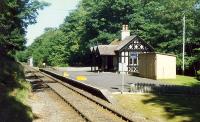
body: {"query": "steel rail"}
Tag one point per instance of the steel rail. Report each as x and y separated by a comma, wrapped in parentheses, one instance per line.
(107, 107)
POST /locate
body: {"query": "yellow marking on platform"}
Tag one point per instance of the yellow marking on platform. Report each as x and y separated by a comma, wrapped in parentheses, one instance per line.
(65, 74)
(81, 78)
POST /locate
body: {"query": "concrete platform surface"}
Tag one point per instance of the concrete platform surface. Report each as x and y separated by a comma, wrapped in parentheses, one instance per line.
(107, 80)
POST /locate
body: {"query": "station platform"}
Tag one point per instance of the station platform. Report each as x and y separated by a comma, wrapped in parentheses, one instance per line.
(106, 80)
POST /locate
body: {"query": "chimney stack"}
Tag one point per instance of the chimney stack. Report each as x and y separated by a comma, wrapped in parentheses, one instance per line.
(125, 32)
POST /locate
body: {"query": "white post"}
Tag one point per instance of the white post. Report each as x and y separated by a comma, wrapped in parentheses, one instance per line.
(183, 45)
(122, 88)
(31, 61)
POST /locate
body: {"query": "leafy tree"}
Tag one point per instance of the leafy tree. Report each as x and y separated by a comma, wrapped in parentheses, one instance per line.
(15, 16)
(48, 48)
(159, 22)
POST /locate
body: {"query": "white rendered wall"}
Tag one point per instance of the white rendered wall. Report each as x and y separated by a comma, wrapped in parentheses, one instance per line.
(123, 66)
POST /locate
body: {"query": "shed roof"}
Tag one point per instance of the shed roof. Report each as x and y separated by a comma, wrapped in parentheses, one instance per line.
(167, 54)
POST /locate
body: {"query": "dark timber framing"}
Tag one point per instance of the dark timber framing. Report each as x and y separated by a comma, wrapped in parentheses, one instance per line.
(126, 52)
(135, 45)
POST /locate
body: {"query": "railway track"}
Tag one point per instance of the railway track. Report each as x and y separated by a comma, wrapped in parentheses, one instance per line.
(89, 107)
(51, 99)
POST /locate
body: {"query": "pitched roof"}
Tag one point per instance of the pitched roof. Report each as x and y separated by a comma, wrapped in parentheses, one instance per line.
(107, 49)
(115, 42)
(91, 49)
(117, 45)
(125, 41)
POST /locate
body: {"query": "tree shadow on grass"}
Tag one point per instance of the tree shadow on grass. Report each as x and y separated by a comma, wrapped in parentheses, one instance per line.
(13, 110)
(179, 105)
(184, 106)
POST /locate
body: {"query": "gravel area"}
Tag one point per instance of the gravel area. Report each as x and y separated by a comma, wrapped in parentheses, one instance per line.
(48, 106)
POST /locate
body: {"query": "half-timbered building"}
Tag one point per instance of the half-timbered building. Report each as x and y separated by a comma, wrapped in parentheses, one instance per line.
(120, 55)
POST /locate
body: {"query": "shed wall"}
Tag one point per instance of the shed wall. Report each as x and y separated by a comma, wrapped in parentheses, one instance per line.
(146, 65)
(165, 67)
(157, 66)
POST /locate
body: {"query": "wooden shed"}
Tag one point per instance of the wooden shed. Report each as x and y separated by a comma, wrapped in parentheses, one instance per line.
(157, 66)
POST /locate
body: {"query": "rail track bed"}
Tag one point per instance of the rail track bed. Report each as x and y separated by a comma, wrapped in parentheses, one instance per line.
(89, 107)
(47, 105)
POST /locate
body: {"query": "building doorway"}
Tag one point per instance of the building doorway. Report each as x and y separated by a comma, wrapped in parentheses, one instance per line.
(110, 63)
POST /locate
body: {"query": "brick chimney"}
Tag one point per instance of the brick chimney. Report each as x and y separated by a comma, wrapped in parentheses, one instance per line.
(125, 32)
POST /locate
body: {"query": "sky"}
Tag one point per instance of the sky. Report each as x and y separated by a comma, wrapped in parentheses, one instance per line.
(51, 16)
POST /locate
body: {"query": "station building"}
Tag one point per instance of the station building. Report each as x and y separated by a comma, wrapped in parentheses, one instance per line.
(120, 55)
(123, 55)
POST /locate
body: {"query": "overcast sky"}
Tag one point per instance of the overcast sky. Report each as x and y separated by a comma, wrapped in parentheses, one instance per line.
(51, 16)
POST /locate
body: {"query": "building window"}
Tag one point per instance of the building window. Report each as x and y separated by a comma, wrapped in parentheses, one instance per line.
(130, 61)
(122, 53)
(135, 61)
(126, 53)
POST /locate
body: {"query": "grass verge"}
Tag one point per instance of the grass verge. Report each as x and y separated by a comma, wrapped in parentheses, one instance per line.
(162, 108)
(183, 80)
(14, 92)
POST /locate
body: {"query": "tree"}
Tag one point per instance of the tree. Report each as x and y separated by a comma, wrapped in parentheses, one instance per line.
(48, 48)
(15, 16)
(158, 22)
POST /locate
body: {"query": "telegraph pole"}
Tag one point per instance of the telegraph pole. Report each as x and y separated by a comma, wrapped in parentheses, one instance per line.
(183, 67)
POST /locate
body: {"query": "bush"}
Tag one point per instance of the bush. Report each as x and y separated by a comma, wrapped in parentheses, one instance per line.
(198, 75)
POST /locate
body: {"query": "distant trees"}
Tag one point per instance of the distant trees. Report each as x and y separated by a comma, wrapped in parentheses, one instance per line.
(159, 22)
(15, 16)
(48, 48)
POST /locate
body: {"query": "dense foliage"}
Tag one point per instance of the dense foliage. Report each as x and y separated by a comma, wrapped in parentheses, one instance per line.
(14, 91)
(159, 22)
(198, 75)
(15, 16)
(49, 48)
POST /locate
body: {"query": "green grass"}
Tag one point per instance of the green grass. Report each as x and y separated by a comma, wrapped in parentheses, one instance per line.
(14, 91)
(183, 80)
(162, 108)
